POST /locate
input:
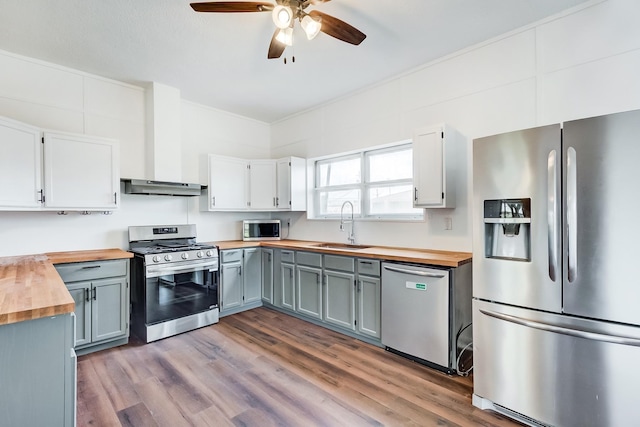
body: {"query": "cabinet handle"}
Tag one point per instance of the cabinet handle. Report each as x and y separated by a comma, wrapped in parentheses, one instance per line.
(239, 271)
(277, 201)
(90, 267)
(213, 201)
(366, 262)
(41, 199)
(94, 293)
(269, 257)
(115, 198)
(87, 296)
(415, 194)
(274, 202)
(359, 285)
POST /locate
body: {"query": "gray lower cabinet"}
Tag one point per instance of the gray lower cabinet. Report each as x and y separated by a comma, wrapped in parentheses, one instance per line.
(369, 306)
(309, 291)
(38, 373)
(100, 290)
(288, 286)
(338, 291)
(240, 280)
(267, 276)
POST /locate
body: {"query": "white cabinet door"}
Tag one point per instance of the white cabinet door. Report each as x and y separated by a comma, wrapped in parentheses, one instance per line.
(20, 165)
(81, 172)
(262, 184)
(228, 183)
(432, 170)
(291, 174)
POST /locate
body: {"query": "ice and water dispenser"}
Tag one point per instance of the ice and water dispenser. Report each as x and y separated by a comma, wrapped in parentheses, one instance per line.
(507, 229)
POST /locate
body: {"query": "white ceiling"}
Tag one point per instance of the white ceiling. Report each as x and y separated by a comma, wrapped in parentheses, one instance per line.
(220, 60)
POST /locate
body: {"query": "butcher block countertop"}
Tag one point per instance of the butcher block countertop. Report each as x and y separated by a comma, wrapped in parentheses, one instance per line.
(30, 287)
(420, 256)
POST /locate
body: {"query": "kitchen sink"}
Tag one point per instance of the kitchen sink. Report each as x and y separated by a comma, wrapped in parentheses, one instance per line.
(344, 246)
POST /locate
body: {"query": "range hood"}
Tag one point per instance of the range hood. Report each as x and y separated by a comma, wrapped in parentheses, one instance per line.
(163, 188)
(163, 175)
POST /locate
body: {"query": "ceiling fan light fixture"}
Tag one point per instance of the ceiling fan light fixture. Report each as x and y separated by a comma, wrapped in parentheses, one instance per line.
(311, 26)
(285, 36)
(282, 16)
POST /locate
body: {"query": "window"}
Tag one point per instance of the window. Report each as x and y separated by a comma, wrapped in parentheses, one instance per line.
(379, 183)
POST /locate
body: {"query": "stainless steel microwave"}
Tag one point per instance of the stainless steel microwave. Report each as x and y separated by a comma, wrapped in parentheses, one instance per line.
(261, 229)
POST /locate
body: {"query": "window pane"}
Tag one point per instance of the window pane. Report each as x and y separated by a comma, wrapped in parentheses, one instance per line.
(388, 166)
(331, 202)
(392, 200)
(339, 172)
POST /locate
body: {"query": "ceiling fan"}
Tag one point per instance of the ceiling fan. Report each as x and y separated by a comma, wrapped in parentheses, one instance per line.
(284, 13)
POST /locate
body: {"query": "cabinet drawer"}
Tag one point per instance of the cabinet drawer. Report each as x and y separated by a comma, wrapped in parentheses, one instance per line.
(233, 255)
(342, 263)
(309, 258)
(78, 271)
(287, 256)
(370, 267)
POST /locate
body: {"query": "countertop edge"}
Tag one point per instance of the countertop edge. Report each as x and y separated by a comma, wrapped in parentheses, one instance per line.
(415, 255)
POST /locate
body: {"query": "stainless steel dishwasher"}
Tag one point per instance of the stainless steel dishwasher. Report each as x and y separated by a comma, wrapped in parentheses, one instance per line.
(424, 312)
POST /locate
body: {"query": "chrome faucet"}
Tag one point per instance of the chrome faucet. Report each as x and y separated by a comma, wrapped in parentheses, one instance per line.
(351, 237)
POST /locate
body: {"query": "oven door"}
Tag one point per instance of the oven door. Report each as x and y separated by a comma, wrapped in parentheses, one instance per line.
(180, 290)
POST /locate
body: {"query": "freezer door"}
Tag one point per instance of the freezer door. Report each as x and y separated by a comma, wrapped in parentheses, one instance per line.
(602, 231)
(558, 370)
(519, 165)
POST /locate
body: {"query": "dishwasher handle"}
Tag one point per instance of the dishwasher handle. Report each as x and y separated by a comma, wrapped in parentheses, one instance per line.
(414, 272)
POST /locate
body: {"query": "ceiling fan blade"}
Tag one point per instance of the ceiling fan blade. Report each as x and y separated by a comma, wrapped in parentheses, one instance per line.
(275, 48)
(339, 29)
(232, 6)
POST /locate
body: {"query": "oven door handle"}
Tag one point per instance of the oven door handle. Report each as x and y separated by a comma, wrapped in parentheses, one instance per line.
(160, 270)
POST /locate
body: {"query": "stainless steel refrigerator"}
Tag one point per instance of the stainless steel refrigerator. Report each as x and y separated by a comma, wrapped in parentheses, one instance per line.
(556, 281)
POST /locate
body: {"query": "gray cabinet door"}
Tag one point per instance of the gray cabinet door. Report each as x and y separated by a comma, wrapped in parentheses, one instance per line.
(309, 291)
(109, 299)
(288, 287)
(81, 293)
(339, 299)
(267, 275)
(368, 300)
(252, 286)
(231, 285)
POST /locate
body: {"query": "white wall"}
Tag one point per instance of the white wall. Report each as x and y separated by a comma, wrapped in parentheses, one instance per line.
(582, 63)
(54, 97)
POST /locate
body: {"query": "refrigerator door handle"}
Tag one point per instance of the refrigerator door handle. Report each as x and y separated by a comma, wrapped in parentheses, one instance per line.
(573, 332)
(552, 214)
(572, 214)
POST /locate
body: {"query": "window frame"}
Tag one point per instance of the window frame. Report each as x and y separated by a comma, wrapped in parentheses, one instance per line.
(364, 186)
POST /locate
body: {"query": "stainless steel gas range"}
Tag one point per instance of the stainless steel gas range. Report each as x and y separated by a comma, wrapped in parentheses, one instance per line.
(174, 281)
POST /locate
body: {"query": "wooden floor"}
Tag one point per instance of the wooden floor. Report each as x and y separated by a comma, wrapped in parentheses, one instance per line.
(264, 368)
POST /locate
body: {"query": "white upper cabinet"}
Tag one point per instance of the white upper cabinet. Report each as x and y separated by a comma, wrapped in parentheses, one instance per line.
(81, 172)
(58, 172)
(227, 180)
(20, 165)
(258, 185)
(433, 168)
(291, 189)
(262, 184)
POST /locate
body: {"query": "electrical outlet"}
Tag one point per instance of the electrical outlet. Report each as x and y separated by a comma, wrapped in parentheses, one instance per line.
(448, 223)
(288, 222)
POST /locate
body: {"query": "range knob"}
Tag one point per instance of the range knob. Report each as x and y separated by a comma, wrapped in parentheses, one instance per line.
(184, 255)
(200, 254)
(209, 252)
(156, 258)
(168, 257)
